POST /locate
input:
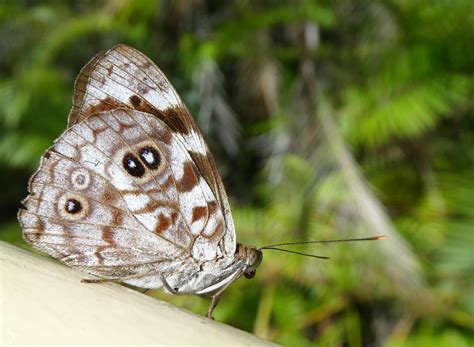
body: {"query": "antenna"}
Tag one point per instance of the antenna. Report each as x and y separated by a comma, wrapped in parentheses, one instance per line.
(276, 246)
(294, 252)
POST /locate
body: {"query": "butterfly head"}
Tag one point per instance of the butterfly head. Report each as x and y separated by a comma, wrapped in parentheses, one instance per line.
(252, 256)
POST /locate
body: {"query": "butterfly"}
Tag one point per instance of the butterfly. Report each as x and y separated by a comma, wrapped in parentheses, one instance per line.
(130, 191)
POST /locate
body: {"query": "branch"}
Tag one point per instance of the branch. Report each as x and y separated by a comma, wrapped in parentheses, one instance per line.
(44, 303)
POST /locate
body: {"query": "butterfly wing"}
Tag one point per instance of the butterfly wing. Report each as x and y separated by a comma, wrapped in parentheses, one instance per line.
(119, 196)
(123, 77)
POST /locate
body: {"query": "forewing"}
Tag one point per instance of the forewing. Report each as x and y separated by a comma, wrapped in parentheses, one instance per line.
(125, 78)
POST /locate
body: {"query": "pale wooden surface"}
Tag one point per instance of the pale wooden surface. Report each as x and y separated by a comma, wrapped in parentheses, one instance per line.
(44, 303)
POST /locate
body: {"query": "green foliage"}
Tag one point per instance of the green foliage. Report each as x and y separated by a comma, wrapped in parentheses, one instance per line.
(318, 112)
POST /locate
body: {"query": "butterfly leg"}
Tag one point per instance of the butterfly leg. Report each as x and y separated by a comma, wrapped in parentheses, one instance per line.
(97, 280)
(114, 280)
(105, 280)
(215, 300)
(217, 296)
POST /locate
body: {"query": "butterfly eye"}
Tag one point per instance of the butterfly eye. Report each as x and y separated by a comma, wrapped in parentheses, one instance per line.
(150, 157)
(249, 275)
(132, 165)
(73, 206)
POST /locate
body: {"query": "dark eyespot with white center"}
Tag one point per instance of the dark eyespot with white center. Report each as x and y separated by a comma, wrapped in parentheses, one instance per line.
(132, 165)
(150, 157)
(73, 206)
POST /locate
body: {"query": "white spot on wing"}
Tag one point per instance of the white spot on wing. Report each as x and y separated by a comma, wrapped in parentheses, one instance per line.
(149, 157)
(65, 149)
(148, 220)
(136, 202)
(193, 142)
